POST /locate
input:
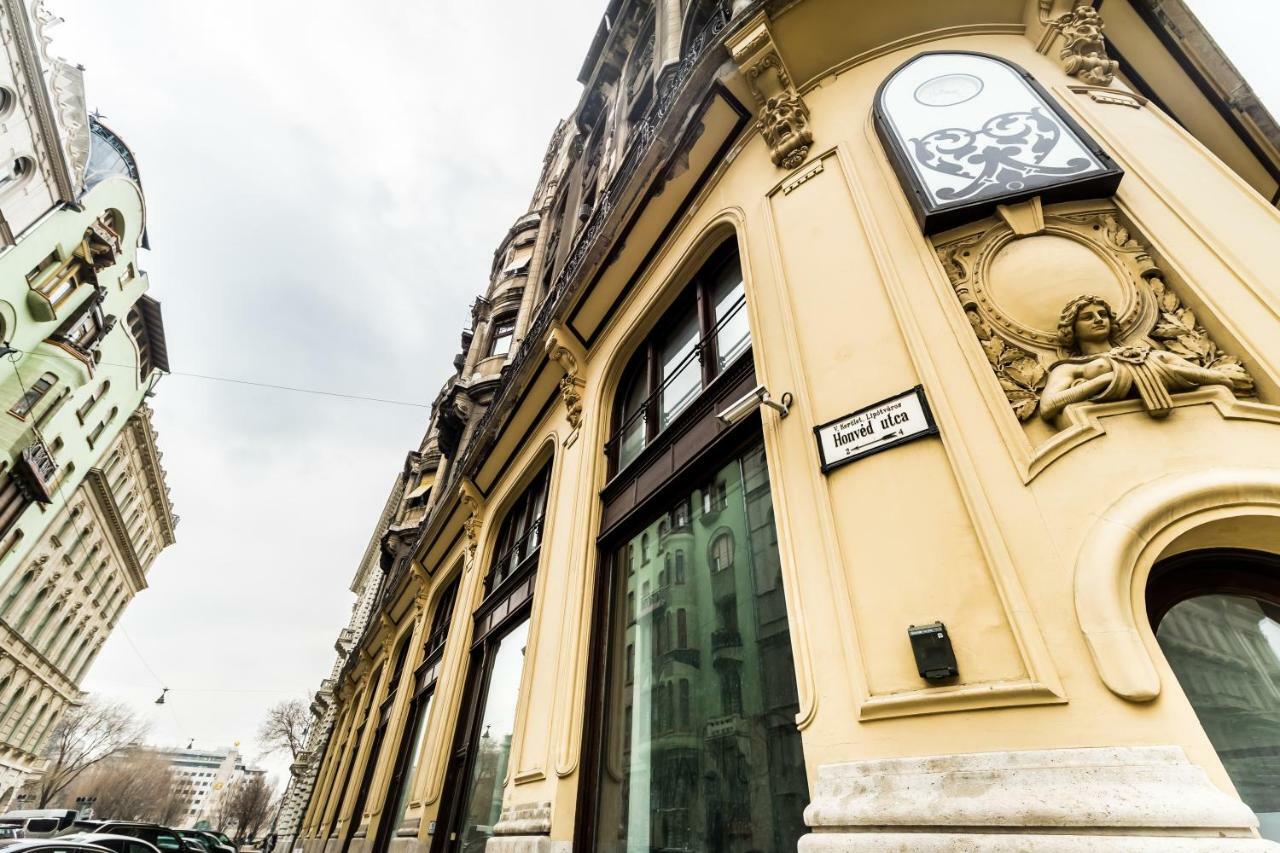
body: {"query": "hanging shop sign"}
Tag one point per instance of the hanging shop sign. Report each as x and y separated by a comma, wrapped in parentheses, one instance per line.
(967, 132)
(897, 420)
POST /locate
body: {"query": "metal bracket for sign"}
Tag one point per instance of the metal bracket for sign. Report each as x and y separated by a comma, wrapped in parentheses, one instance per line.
(889, 441)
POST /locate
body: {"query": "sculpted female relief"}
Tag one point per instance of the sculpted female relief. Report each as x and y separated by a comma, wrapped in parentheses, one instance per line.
(1129, 336)
(1100, 370)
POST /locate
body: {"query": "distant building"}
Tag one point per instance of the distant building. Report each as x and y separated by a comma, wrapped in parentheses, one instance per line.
(204, 777)
(84, 508)
(367, 586)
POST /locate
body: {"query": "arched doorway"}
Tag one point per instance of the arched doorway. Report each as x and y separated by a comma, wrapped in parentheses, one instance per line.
(1216, 616)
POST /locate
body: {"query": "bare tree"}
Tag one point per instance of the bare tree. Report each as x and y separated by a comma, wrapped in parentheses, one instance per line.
(88, 734)
(133, 785)
(285, 728)
(251, 806)
(243, 808)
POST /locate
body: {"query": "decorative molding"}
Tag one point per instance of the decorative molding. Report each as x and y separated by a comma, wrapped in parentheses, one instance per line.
(1084, 49)
(1111, 95)
(1126, 539)
(473, 504)
(782, 117)
(803, 177)
(563, 348)
(1084, 420)
(1152, 334)
(100, 490)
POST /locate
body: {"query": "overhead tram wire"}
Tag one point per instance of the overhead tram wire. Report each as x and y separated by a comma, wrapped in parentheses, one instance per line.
(236, 381)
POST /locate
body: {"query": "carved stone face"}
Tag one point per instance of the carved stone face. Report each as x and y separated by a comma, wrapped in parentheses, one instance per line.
(1093, 324)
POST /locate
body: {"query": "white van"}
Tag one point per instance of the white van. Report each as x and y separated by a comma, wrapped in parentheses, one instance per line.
(39, 823)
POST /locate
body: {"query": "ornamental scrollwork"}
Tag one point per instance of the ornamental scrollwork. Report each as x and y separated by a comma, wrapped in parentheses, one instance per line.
(1006, 154)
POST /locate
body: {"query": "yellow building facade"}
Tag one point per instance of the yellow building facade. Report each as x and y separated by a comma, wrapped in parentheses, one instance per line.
(869, 440)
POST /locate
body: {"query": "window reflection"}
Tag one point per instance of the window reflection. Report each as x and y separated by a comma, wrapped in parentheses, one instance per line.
(493, 747)
(701, 747)
(406, 781)
(1225, 651)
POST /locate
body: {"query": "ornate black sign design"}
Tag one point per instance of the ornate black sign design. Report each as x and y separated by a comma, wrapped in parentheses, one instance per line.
(1005, 155)
(969, 131)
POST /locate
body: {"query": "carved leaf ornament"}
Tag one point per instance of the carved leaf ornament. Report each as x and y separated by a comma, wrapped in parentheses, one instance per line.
(1021, 371)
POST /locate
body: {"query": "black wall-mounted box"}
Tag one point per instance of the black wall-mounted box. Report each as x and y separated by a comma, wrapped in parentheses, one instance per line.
(935, 659)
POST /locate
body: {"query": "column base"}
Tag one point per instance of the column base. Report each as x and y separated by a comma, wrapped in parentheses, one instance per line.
(1112, 800)
(912, 842)
(526, 844)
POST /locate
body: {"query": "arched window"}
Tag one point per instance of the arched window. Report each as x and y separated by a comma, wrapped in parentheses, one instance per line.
(35, 605)
(472, 801)
(86, 407)
(721, 552)
(57, 635)
(34, 728)
(44, 622)
(1216, 614)
(34, 395)
(16, 592)
(675, 657)
(16, 173)
(704, 333)
(520, 535)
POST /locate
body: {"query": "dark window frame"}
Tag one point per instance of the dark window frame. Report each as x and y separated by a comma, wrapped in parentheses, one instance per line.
(698, 298)
(507, 603)
(502, 327)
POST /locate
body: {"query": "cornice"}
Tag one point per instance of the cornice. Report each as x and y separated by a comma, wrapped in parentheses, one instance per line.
(25, 43)
(100, 490)
(149, 457)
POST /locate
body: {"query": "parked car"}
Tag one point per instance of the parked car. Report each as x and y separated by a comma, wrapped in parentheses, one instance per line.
(39, 823)
(114, 843)
(218, 842)
(8, 833)
(49, 845)
(207, 840)
(162, 838)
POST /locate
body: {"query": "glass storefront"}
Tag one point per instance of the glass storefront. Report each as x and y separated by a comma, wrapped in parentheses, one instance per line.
(1225, 651)
(701, 750)
(422, 710)
(483, 797)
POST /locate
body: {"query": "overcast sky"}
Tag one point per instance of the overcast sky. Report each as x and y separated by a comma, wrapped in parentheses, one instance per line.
(326, 183)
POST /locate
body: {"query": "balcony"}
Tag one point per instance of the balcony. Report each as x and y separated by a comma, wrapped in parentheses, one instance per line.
(652, 602)
(34, 471)
(722, 639)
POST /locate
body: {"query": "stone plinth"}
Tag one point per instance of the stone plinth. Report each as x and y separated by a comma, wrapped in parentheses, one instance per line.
(1106, 800)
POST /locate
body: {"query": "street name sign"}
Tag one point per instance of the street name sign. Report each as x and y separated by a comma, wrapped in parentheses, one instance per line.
(901, 418)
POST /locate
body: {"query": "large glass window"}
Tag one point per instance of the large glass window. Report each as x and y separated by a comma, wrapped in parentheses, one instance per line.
(483, 803)
(482, 744)
(409, 753)
(700, 337)
(699, 749)
(1225, 651)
